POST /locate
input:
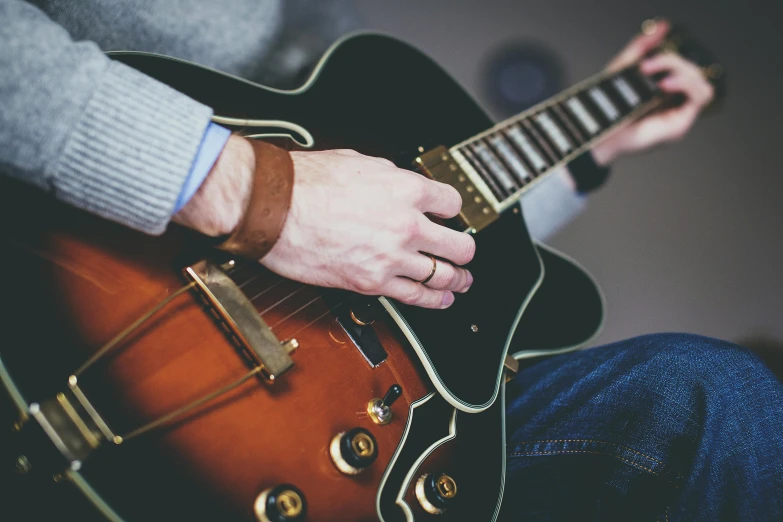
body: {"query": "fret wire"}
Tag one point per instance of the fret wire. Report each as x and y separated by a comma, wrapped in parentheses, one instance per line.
(642, 109)
(583, 116)
(626, 91)
(471, 158)
(582, 133)
(485, 156)
(509, 158)
(550, 129)
(604, 103)
(570, 126)
(575, 89)
(616, 98)
(596, 112)
(540, 140)
(526, 148)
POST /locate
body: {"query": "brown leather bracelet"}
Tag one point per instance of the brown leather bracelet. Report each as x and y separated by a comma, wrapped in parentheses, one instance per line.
(268, 205)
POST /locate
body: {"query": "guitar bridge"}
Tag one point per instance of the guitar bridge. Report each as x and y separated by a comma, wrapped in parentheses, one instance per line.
(241, 318)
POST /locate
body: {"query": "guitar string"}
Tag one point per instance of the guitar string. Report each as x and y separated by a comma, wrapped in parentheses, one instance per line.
(268, 288)
(301, 308)
(286, 298)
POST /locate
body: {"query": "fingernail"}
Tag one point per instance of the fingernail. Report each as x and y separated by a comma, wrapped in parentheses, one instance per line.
(469, 283)
(448, 300)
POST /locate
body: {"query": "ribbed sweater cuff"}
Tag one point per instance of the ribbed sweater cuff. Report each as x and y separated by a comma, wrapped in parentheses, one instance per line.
(128, 156)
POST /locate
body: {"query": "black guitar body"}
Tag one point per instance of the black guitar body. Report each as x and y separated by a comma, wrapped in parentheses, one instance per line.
(383, 98)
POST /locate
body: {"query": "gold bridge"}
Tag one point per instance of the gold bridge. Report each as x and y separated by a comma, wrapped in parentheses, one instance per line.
(238, 314)
(76, 428)
(477, 212)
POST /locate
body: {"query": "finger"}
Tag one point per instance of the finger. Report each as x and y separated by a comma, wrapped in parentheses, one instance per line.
(416, 294)
(667, 126)
(639, 46)
(697, 90)
(457, 247)
(445, 277)
(439, 199)
(684, 77)
(669, 62)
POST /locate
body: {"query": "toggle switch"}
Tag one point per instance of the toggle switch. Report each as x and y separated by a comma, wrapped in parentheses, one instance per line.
(379, 410)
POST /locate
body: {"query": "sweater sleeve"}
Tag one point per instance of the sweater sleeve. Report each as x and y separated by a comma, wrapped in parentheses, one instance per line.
(551, 205)
(98, 134)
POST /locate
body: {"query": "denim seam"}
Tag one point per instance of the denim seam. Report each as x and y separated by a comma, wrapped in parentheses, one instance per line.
(643, 455)
(562, 452)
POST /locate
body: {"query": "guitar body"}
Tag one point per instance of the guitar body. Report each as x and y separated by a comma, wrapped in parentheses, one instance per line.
(77, 281)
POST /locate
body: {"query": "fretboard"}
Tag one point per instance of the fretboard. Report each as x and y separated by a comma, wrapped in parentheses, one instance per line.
(511, 157)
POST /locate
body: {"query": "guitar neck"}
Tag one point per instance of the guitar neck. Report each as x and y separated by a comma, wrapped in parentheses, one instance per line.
(511, 157)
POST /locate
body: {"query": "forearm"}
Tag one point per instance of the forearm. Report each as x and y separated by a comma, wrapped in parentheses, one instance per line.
(98, 134)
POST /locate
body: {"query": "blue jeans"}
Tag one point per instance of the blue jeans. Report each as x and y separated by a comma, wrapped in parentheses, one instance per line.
(663, 427)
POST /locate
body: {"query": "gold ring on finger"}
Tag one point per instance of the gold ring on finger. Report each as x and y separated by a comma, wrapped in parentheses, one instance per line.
(432, 272)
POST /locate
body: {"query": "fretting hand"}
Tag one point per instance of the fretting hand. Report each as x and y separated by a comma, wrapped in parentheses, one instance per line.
(670, 125)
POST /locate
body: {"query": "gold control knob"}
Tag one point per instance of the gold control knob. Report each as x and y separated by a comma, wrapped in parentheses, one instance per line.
(354, 450)
(283, 503)
(435, 492)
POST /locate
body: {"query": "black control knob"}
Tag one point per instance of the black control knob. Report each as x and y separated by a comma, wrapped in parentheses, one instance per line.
(436, 492)
(353, 450)
(283, 503)
(392, 395)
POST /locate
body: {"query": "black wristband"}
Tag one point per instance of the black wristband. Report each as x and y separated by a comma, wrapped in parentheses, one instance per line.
(587, 174)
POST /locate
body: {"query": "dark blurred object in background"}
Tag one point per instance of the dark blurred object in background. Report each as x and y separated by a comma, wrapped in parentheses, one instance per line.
(521, 73)
(769, 349)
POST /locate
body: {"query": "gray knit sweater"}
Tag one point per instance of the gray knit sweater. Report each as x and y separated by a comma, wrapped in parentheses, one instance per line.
(117, 143)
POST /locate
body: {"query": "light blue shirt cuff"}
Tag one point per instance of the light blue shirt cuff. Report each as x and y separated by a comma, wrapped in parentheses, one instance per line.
(215, 138)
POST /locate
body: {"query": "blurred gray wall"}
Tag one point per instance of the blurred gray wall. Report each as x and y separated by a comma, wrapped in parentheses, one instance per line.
(683, 238)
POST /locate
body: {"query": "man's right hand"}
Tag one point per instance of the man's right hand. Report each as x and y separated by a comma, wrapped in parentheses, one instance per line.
(356, 222)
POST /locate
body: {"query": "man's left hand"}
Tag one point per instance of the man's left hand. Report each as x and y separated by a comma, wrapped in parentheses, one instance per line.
(670, 125)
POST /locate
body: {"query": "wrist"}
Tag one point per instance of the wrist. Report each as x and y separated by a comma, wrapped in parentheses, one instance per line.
(218, 205)
(605, 153)
(587, 173)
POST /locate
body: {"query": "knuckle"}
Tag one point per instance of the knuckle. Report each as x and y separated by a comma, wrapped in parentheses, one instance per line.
(453, 200)
(467, 251)
(452, 277)
(419, 189)
(412, 297)
(370, 283)
(411, 229)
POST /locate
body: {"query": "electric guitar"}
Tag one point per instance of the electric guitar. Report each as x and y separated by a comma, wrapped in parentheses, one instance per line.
(164, 381)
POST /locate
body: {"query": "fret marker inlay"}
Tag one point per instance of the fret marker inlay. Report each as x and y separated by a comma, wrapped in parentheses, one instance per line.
(585, 118)
(494, 166)
(627, 92)
(521, 141)
(554, 132)
(602, 100)
(509, 156)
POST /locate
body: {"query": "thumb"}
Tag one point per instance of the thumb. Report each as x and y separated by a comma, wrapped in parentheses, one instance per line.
(641, 44)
